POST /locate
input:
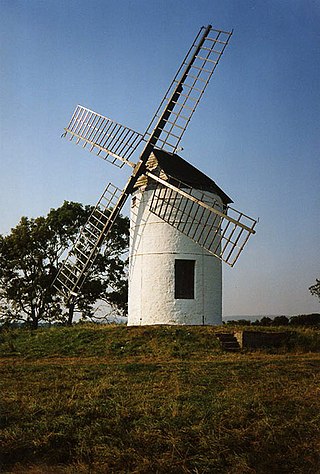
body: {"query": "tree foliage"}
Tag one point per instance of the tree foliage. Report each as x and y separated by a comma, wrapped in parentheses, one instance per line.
(311, 320)
(315, 289)
(29, 261)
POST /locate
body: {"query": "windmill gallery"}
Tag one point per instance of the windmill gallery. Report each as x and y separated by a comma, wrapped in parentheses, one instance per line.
(181, 224)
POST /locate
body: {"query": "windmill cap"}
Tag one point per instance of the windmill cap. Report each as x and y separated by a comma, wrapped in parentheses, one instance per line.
(177, 168)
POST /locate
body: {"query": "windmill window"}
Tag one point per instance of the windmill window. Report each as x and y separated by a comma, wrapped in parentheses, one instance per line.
(184, 279)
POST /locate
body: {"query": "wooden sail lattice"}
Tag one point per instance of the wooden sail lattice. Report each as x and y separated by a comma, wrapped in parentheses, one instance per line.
(188, 86)
(77, 265)
(106, 138)
(222, 230)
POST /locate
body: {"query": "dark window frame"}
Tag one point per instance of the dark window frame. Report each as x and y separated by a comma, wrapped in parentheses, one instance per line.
(184, 279)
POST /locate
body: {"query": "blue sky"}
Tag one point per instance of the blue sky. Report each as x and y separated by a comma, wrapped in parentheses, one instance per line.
(256, 131)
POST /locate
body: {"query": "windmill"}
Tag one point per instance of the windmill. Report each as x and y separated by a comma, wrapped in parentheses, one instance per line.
(182, 226)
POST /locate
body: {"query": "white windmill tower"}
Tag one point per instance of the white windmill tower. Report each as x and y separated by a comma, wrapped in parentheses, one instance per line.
(181, 225)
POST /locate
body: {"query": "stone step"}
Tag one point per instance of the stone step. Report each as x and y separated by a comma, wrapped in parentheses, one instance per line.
(226, 337)
(228, 342)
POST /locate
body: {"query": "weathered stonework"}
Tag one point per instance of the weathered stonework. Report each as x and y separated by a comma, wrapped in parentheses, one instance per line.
(260, 339)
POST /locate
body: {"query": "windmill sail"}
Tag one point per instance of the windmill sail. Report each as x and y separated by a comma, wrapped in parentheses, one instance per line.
(188, 87)
(76, 266)
(108, 139)
(221, 230)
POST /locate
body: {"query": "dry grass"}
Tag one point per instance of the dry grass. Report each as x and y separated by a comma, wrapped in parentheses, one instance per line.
(144, 405)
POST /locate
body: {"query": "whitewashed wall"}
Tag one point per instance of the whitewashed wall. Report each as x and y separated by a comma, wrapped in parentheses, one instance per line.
(154, 246)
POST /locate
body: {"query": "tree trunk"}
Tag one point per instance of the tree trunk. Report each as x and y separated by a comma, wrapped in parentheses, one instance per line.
(35, 323)
(70, 314)
(34, 318)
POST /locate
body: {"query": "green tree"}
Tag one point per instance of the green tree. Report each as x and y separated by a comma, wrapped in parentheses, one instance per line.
(107, 279)
(312, 319)
(315, 289)
(29, 260)
(265, 321)
(280, 321)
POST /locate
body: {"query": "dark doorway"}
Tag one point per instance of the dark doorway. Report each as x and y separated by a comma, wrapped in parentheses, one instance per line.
(184, 279)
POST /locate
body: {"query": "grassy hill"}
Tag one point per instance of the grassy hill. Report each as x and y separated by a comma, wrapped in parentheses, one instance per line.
(111, 399)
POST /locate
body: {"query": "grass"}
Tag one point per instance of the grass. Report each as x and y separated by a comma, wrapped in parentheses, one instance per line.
(93, 399)
(109, 341)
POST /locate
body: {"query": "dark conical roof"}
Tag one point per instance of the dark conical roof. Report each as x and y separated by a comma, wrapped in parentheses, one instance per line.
(177, 168)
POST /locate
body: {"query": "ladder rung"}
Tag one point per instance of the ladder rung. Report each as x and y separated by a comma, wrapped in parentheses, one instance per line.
(79, 259)
(84, 242)
(189, 97)
(85, 251)
(109, 200)
(67, 277)
(165, 142)
(211, 50)
(177, 114)
(184, 106)
(87, 242)
(202, 69)
(100, 220)
(169, 133)
(96, 219)
(72, 269)
(58, 287)
(197, 78)
(97, 228)
(87, 257)
(66, 285)
(89, 231)
(206, 59)
(192, 87)
(174, 124)
(229, 33)
(216, 40)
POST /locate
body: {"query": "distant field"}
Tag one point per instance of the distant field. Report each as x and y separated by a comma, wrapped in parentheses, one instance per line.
(111, 399)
